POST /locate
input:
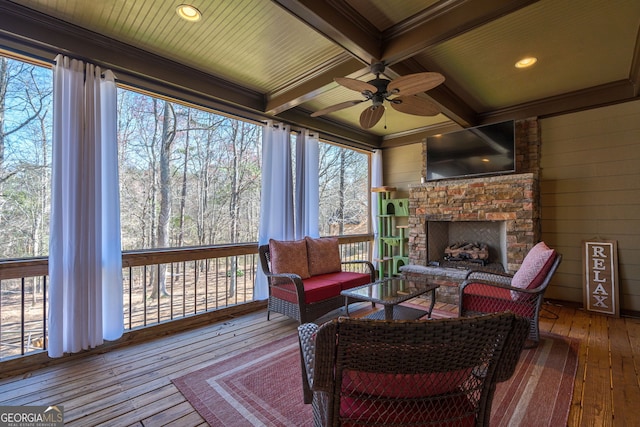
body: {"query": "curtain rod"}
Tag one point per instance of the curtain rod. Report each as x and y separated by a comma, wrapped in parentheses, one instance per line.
(292, 128)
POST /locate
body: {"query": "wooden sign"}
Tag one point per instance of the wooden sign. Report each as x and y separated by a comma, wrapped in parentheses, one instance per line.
(600, 274)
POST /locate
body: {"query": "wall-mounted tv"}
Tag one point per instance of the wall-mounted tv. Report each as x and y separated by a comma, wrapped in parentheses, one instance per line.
(482, 150)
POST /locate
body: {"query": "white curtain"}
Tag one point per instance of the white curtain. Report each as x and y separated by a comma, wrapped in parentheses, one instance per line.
(276, 204)
(307, 200)
(376, 181)
(85, 257)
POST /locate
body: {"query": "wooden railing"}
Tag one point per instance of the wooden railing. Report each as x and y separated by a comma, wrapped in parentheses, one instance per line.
(196, 280)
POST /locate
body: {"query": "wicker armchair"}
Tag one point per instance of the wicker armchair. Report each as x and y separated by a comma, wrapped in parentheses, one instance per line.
(485, 292)
(423, 372)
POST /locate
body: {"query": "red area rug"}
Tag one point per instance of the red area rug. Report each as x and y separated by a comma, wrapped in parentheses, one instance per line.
(263, 387)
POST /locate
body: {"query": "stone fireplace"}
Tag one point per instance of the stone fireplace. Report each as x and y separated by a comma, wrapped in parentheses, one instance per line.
(501, 211)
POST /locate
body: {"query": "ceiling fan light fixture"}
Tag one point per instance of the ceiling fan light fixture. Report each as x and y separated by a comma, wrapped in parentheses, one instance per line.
(526, 62)
(382, 89)
(188, 12)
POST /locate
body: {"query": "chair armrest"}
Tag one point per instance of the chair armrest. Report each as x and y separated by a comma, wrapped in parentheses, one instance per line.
(289, 276)
(508, 286)
(488, 276)
(307, 338)
(276, 280)
(324, 360)
(512, 348)
(283, 278)
(501, 280)
(367, 264)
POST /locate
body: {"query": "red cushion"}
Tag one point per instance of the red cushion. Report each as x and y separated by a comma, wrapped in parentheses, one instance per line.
(402, 385)
(360, 411)
(348, 279)
(320, 288)
(483, 298)
(388, 398)
(315, 289)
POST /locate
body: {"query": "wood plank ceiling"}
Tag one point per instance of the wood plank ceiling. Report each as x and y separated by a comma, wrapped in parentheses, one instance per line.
(278, 58)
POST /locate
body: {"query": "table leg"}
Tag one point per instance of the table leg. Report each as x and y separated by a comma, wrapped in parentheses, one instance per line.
(388, 312)
(433, 302)
(346, 306)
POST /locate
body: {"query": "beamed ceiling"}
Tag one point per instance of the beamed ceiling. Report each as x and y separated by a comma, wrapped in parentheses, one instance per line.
(278, 58)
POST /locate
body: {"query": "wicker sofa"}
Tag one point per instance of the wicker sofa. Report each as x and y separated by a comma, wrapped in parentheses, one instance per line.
(306, 276)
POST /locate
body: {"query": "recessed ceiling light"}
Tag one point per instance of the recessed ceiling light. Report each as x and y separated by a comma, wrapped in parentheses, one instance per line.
(526, 62)
(188, 12)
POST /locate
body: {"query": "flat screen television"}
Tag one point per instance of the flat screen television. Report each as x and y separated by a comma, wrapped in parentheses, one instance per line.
(481, 150)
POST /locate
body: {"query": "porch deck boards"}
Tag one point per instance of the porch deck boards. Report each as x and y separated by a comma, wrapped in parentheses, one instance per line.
(131, 386)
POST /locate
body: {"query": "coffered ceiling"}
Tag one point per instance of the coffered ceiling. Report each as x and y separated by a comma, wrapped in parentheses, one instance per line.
(278, 58)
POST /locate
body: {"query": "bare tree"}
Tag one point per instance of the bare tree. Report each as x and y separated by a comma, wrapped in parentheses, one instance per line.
(138, 139)
(183, 192)
(25, 129)
(242, 142)
(343, 190)
(166, 142)
(26, 104)
(25, 126)
(216, 165)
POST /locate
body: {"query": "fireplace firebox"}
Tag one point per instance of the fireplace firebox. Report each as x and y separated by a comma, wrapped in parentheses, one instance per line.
(443, 236)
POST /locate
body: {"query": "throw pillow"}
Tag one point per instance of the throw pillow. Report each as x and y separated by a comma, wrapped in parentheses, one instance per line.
(534, 269)
(289, 257)
(324, 255)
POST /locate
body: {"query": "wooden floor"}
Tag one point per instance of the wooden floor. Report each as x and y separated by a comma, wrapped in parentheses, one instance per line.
(131, 386)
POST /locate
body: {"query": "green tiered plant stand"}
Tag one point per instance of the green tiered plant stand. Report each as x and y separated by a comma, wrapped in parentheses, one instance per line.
(392, 239)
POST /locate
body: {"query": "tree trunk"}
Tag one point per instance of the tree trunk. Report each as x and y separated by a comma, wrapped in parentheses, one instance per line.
(168, 136)
(183, 193)
(4, 82)
(233, 209)
(341, 195)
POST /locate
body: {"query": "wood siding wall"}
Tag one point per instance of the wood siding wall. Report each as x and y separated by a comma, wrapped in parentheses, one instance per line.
(402, 166)
(590, 188)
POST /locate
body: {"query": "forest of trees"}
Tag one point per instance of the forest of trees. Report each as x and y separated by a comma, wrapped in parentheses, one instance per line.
(188, 176)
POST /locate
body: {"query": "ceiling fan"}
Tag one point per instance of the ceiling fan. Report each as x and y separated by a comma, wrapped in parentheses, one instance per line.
(400, 93)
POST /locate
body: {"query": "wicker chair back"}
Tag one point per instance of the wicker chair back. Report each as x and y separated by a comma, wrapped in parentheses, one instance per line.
(425, 372)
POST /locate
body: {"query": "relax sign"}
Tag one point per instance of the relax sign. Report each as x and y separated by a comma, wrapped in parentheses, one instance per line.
(600, 267)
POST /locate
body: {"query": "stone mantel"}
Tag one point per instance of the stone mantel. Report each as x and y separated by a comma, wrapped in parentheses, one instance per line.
(513, 198)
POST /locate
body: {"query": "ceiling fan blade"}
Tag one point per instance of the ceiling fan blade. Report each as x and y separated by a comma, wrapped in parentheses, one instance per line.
(336, 107)
(356, 85)
(414, 105)
(415, 83)
(371, 115)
